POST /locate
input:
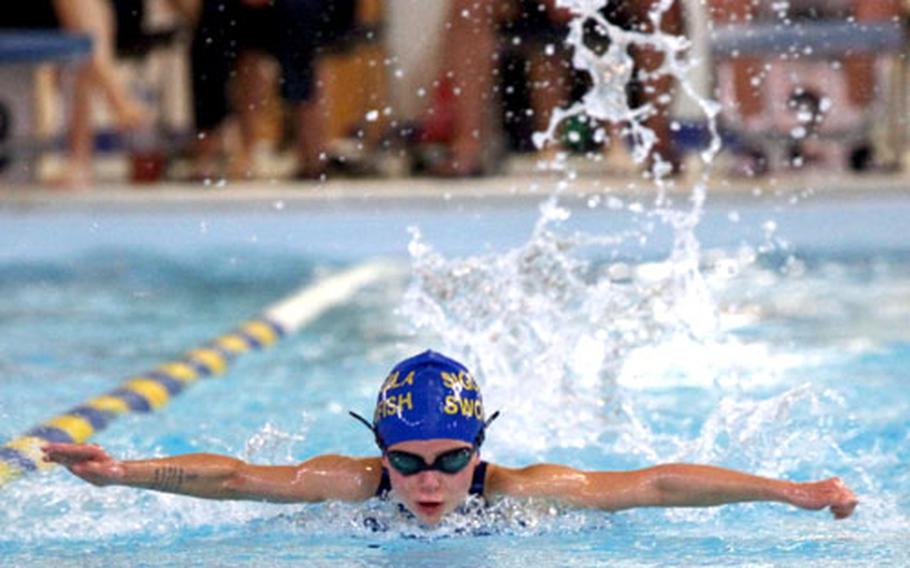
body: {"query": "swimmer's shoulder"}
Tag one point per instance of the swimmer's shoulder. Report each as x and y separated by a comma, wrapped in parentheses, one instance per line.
(499, 479)
(343, 478)
(528, 481)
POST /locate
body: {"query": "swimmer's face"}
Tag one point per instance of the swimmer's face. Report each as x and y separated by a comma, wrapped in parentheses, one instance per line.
(431, 494)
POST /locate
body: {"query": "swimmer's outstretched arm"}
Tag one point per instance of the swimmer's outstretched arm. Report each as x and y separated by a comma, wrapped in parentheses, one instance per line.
(213, 476)
(671, 485)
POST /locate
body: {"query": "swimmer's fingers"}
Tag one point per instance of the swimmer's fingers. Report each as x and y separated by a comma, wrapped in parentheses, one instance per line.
(70, 454)
(830, 493)
(843, 511)
(88, 462)
(845, 501)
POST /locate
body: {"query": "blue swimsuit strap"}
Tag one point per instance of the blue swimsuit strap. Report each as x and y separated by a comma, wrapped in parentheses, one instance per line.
(477, 482)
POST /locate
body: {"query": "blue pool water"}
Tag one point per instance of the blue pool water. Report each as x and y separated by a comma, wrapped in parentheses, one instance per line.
(787, 357)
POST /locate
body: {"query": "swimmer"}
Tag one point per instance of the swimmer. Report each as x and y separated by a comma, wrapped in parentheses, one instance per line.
(429, 423)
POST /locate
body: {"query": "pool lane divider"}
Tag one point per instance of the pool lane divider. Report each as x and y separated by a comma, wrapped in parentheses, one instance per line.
(152, 390)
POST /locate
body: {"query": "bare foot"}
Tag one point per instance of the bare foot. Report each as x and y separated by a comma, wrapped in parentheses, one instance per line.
(618, 159)
(132, 116)
(76, 175)
(241, 167)
(453, 168)
(465, 160)
(204, 171)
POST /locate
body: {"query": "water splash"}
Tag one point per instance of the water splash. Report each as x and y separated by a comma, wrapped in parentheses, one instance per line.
(611, 70)
(542, 321)
(387, 521)
(273, 445)
(553, 326)
(73, 512)
(548, 329)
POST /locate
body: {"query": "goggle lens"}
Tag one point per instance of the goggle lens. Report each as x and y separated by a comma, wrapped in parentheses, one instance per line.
(449, 462)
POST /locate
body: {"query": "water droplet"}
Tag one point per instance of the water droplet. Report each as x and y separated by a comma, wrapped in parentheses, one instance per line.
(614, 203)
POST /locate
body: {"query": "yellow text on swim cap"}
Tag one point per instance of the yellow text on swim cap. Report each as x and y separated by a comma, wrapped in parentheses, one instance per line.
(462, 381)
(466, 406)
(394, 405)
(391, 382)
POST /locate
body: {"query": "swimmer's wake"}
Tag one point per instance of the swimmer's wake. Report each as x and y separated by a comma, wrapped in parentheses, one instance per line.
(149, 391)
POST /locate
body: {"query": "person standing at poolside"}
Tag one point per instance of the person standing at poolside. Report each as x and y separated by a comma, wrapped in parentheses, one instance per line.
(429, 423)
(92, 18)
(470, 52)
(229, 39)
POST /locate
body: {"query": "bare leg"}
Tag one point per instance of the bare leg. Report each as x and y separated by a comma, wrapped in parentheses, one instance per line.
(252, 92)
(310, 122)
(469, 48)
(77, 171)
(206, 151)
(93, 17)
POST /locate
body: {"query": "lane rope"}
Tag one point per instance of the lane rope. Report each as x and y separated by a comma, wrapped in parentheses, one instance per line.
(150, 391)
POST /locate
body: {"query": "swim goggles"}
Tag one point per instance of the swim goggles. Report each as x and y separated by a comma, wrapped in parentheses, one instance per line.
(450, 462)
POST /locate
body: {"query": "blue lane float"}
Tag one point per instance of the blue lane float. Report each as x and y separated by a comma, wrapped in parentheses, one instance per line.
(150, 391)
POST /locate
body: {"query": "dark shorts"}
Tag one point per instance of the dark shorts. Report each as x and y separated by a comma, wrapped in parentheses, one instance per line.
(531, 23)
(28, 14)
(293, 31)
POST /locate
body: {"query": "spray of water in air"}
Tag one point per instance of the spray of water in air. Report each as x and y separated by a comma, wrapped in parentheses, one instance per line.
(559, 328)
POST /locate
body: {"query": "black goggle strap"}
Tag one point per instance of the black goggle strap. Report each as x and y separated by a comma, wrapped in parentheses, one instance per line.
(478, 441)
(372, 429)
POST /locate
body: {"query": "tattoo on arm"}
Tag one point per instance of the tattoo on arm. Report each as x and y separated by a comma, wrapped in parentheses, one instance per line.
(168, 478)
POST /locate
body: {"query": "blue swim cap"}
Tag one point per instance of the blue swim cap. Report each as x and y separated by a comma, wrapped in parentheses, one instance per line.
(426, 397)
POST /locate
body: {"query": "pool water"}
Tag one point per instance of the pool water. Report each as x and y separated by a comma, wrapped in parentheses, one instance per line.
(786, 354)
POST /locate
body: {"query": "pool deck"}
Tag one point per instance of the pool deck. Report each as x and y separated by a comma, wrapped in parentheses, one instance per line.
(521, 184)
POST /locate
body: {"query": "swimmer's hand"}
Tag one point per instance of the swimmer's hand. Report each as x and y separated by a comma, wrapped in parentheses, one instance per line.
(817, 495)
(89, 462)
